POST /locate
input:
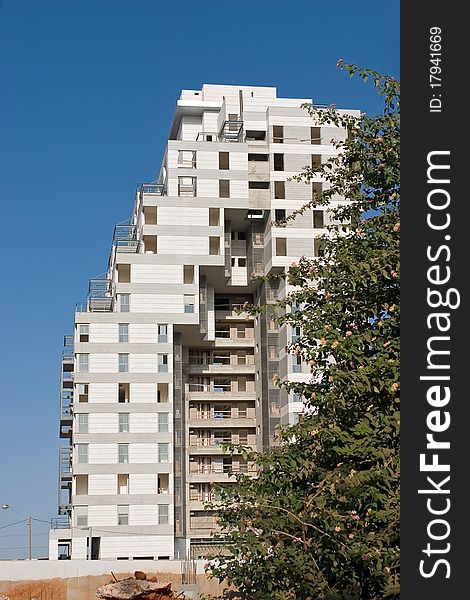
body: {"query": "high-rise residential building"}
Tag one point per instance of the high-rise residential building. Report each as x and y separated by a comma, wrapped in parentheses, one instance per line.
(164, 366)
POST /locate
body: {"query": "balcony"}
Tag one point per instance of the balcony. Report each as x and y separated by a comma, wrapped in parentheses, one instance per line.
(100, 295)
(155, 189)
(215, 443)
(60, 523)
(234, 312)
(125, 238)
(216, 414)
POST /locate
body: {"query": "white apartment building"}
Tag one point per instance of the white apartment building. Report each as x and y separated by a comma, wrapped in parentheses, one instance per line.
(163, 367)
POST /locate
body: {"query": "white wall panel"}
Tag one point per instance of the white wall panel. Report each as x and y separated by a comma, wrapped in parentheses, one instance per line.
(103, 332)
(179, 244)
(143, 453)
(142, 483)
(103, 484)
(157, 303)
(143, 392)
(168, 215)
(103, 363)
(102, 393)
(102, 454)
(102, 515)
(157, 273)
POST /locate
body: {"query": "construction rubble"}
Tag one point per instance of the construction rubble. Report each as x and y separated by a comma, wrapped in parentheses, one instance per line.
(138, 587)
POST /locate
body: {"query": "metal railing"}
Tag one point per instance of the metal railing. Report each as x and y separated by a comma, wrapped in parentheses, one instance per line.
(100, 295)
(201, 387)
(159, 189)
(60, 523)
(65, 460)
(125, 238)
(223, 469)
(81, 306)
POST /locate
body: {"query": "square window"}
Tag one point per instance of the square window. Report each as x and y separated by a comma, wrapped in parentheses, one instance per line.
(83, 363)
(278, 162)
(162, 362)
(82, 423)
(84, 332)
(124, 332)
(224, 188)
(123, 363)
(124, 302)
(189, 300)
(123, 422)
(123, 453)
(162, 333)
(163, 453)
(123, 515)
(224, 161)
(82, 453)
(163, 511)
(162, 422)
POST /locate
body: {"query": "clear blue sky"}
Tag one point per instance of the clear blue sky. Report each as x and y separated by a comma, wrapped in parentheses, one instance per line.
(88, 92)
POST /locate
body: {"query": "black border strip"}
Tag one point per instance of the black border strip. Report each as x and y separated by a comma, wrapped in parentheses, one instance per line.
(434, 234)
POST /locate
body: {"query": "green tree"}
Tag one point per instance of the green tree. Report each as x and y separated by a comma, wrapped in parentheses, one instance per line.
(321, 519)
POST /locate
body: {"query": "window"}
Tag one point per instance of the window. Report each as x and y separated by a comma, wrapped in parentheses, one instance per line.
(187, 186)
(123, 483)
(150, 215)
(82, 360)
(84, 332)
(124, 273)
(123, 453)
(124, 302)
(123, 392)
(162, 393)
(224, 188)
(82, 391)
(214, 217)
(296, 363)
(162, 333)
(279, 190)
(150, 244)
(163, 453)
(124, 332)
(317, 189)
(241, 357)
(258, 239)
(241, 331)
(163, 514)
(279, 162)
(82, 453)
(224, 161)
(254, 135)
(296, 333)
(317, 247)
(318, 219)
(187, 159)
(81, 516)
(123, 422)
(81, 485)
(297, 397)
(188, 273)
(123, 515)
(279, 214)
(242, 262)
(162, 421)
(188, 303)
(214, 246)
(278, 134)
(162, 362)
(258, 157)
(273, 352)
(123, 363)
(258, 185)
(82, 423)
(272, 323)
(281, 247)
(315, 135)
(316, 162)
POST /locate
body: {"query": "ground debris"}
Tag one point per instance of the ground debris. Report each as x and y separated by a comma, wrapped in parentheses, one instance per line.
(138, 587)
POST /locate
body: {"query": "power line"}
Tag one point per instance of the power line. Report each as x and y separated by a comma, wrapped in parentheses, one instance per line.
(11, 524)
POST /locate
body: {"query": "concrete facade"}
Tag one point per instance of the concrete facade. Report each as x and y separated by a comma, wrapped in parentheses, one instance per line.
(164, 366)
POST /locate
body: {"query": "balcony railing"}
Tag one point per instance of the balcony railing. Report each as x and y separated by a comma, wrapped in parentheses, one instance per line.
(125, 238)
(158, 189)
(100, 295)
(65, 460)
(60, 523)
(223, 469)
(201, 387)
(215, 442)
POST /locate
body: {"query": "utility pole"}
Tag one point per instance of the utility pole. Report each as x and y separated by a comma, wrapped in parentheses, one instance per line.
(30, 530)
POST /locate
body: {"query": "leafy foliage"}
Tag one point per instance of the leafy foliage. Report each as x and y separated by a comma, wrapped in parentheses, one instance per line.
(321, 519)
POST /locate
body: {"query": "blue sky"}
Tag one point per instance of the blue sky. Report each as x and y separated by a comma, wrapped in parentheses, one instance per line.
(88, 92)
